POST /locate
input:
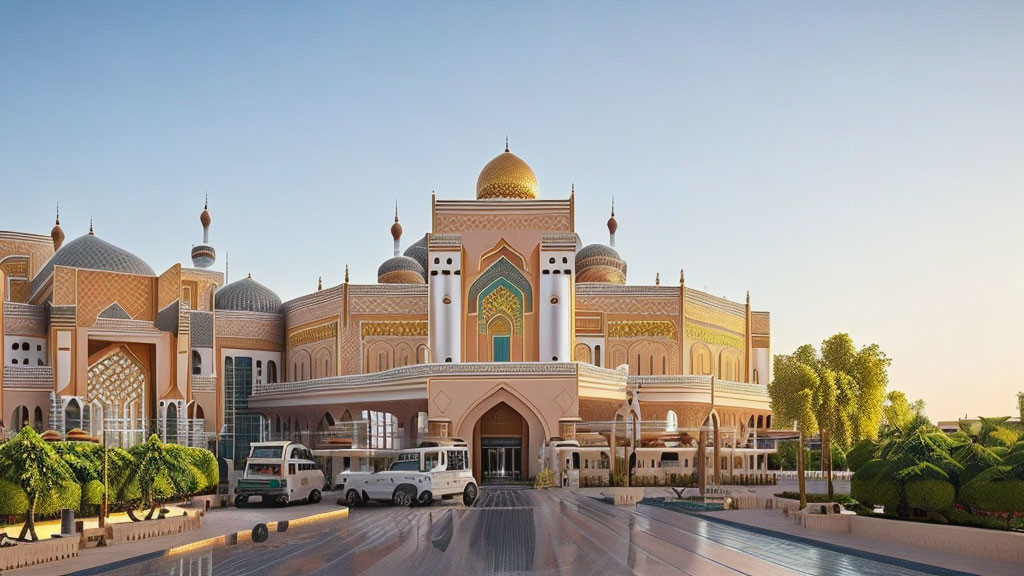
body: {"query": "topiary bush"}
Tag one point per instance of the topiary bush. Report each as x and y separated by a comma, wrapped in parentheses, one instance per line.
(13, 501)
(997, 489)
(92, 493)
(68, 496)
(933, 495)
(874, 484)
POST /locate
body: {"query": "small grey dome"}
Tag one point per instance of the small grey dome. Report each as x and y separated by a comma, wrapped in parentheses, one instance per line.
(419, 253)
(92, 253)
(400, 264)
(596, 251)
(247, 295)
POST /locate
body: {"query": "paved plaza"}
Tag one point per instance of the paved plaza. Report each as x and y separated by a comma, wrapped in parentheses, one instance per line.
(534, 532)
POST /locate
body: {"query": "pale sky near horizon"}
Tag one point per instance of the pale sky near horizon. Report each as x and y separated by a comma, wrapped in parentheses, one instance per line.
(858, 168)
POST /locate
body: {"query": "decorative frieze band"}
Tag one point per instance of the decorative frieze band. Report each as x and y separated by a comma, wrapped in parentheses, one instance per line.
(314, 334)
(642, 328)
(397, 328)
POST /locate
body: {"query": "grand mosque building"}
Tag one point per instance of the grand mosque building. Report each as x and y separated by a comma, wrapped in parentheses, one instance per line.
(498, 326)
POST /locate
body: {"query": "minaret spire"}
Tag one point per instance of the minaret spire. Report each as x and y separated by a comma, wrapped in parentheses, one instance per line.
(396, 231)
(203, 255)
(57, 234)
(613, 225)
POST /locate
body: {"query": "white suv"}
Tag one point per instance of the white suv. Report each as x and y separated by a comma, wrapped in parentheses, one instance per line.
(417, 476)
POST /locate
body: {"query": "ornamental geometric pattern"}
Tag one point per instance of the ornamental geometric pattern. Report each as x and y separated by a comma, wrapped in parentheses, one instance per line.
(760, 323)
(502, 270)
(456, 223)
(504, 303)
(315, 334)
(716, 317)
(716, 337)
(388, 305)
(642, 328)
(400, 328)
(118, 380)
(97, 290)
(630, 305)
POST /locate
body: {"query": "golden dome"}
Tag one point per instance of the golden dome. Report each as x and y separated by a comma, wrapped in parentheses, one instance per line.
(507, 176)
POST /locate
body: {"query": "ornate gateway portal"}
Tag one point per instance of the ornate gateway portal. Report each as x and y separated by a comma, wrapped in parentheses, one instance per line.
(116, 396)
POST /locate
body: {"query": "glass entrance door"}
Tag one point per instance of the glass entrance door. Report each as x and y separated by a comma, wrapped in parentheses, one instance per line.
(502, 459)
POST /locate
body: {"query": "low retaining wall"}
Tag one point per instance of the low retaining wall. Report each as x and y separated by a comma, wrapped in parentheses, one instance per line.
(961, 540)
(130, 531)
(625, 496)
(28, 554)
(210, 501)
(839, 523)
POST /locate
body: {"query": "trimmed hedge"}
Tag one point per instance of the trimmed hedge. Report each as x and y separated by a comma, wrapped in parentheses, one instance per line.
(934, 495)
(13, 500)
(997, 489)
(873, 485)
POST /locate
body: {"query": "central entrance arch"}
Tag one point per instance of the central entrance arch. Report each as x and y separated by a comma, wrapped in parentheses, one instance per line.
(501, 437)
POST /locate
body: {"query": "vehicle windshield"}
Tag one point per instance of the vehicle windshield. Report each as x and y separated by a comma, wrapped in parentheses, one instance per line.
(267, 470)
(405, 466)
(269, 452)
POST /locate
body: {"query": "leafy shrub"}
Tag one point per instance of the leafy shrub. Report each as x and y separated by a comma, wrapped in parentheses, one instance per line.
(933, 495)
(544, 479)
(13, 500)
(92, 493)
(860, 454)
(997, 489)
(69, 495)
(874, 485)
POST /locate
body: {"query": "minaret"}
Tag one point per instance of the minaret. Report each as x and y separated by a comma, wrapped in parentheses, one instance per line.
(396, 232)
(203, 255)
(56, 233)
(613, 225)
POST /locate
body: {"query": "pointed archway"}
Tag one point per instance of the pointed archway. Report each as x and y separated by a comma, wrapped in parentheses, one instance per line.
(534, 430)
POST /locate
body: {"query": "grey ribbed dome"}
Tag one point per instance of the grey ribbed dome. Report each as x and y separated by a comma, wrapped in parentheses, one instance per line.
(600, 263)
(596, 251)
(247, 295)
(92, 253)
(400, 264)
(419, 253)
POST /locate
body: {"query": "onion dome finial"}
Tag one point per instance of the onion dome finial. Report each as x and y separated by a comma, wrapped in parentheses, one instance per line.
(56, 233)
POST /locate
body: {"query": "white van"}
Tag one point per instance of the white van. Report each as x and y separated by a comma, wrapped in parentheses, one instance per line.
(280, 472)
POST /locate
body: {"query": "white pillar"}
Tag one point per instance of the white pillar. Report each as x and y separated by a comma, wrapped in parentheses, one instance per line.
(555, 305)
(444, 277)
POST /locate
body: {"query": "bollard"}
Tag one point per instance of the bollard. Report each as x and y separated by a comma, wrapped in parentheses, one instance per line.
(67, 521)
(282, 526)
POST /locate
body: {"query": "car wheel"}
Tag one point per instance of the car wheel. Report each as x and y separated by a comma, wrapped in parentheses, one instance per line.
(426, 498)
(469, 494)
(241, 500)
(314, 497)
(352, 499)
(404, 496)
(282, 500)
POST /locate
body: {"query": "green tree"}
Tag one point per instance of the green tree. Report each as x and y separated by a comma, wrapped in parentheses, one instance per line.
(156, 473)
(838, 393)
(30, 462)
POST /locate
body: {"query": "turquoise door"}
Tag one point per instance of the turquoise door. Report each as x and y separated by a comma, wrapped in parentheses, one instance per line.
(501, 348)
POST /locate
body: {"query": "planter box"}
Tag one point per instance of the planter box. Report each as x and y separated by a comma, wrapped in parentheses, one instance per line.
(29, 554)
(626, 496)
(961, 540)
(132, 531)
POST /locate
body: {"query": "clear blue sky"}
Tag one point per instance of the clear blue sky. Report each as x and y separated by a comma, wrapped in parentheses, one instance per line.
(856, 168)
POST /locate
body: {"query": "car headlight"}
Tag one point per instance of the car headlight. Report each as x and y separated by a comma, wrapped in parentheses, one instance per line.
(284, 483)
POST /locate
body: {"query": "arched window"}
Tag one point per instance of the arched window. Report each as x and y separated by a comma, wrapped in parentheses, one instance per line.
(597, 355)
(271, 371)
(277, 425)
(37, 419)
(757, 378)
(671, 422)
(19, 418)
(582, 353)
(72, 415)
(700, 359)
(760, 421)
(197, 363)
(172, 422)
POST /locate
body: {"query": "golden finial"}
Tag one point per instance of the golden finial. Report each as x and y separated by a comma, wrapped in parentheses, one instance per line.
(657, 279)
(346, 273)
(90, 225)
(320, 284)
(506, 142)
(748, 297)
(250, 276)
(682, 277)
(57, 223)
(206, 201)
(396, 209)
